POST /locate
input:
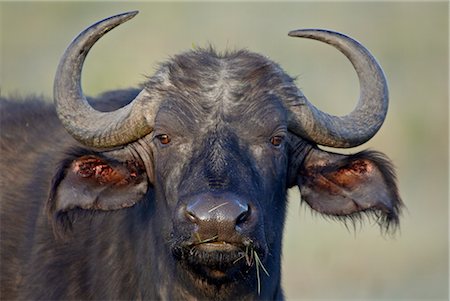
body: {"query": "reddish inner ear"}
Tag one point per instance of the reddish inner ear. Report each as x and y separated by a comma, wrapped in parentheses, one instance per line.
(98, 170)
(334, 179)
(352, 175)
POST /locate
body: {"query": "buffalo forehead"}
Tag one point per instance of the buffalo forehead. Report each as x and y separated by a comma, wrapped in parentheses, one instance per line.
(203, 88)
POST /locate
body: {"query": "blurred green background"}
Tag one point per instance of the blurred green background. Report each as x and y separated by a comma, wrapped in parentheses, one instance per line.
(322, 259)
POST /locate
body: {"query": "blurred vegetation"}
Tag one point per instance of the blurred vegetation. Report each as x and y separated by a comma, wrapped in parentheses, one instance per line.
(410, 39)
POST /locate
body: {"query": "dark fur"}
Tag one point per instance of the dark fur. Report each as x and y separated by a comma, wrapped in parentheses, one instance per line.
(224, 108)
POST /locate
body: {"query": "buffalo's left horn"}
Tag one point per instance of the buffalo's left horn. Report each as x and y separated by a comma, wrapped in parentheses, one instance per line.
(87, 125)
(368, 116)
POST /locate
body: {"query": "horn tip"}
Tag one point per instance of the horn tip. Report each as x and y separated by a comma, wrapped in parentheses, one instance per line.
(128, 15)
(122, 17)
(308, 32)
(299, 32)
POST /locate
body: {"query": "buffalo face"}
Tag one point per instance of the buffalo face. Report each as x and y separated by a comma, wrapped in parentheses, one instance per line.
(203, 156)
(224, 181)
(220, 150)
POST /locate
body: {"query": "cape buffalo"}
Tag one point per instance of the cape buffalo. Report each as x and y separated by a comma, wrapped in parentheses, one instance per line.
(177, 190)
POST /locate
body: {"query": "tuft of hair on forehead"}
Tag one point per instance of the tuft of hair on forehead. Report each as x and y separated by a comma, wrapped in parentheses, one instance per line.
(205, 71)
(238, 64)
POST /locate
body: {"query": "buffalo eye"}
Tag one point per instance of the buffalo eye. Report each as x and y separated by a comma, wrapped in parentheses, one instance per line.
(163, 138)
(277, 140)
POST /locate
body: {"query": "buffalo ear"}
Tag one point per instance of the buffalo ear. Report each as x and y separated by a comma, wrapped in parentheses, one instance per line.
(94, 183)
(346, 186)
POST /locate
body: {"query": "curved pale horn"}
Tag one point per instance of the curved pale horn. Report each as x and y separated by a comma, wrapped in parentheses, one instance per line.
(368, 116)
(87, 125)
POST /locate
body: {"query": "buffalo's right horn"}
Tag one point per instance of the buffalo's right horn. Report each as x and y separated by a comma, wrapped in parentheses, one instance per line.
(368, 116)
(87, 125)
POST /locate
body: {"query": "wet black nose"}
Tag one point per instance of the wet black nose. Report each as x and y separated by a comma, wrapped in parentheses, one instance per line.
(221, 215)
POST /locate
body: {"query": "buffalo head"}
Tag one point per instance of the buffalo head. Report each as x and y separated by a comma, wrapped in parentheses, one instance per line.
(203, 156)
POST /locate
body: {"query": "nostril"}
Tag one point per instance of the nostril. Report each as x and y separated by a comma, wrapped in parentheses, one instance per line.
(243, 217)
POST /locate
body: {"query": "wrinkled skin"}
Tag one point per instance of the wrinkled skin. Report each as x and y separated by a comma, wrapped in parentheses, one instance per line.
(113, 224)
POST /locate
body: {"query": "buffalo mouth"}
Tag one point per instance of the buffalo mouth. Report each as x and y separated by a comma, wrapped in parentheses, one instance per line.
(218, 261)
